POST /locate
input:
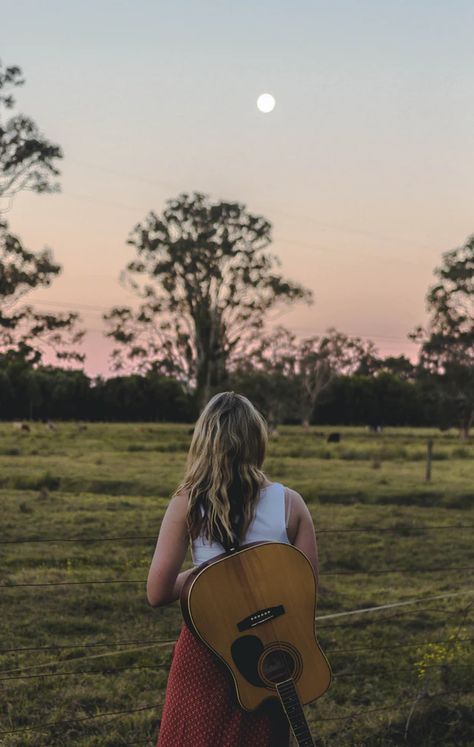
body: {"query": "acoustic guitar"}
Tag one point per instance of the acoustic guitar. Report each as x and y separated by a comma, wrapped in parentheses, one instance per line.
(255, 609)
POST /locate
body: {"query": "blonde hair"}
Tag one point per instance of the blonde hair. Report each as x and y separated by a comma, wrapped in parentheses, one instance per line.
(223, 474)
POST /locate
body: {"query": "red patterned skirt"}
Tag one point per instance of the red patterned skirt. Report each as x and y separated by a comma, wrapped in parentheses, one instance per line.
(201, 709)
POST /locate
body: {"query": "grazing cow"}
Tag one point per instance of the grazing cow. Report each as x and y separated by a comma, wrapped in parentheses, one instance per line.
(333, 438)
(375, 428)
(22, 427)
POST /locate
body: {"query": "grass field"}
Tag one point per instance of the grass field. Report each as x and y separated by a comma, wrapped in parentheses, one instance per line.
(95, 648)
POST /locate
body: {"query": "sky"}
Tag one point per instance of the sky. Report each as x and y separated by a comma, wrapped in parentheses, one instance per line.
(365, 168)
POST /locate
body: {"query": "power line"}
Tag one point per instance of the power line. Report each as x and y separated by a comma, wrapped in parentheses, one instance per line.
(101, 201)
(78, 306)
(361, 252)
(310, 219)
(386, 571)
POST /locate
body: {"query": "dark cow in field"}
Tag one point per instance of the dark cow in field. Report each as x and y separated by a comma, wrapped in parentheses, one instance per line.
(333, 438)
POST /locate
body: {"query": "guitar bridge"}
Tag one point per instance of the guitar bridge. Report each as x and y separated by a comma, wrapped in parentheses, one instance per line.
(261, 616)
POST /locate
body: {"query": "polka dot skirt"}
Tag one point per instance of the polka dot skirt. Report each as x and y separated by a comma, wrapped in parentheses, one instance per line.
(201, 709)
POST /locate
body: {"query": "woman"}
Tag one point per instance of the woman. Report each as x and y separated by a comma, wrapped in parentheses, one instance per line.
(224, 499)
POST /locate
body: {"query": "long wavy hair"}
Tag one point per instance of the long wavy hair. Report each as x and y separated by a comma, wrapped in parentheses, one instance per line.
(224, 473)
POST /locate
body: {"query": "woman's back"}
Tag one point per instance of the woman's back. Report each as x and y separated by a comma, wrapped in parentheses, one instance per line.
(269, 523)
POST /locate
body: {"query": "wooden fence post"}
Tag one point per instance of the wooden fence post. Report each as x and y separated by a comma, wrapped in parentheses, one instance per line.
(429, 459)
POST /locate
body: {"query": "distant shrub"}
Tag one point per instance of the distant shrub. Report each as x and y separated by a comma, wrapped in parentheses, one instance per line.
(172, 446)
(46, 480)
(461, 453)
(351, 454)
(43, 495)
(25, 508)
(301, 452)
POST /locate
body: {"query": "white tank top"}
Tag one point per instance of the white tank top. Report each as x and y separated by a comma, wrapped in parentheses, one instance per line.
(268, 524)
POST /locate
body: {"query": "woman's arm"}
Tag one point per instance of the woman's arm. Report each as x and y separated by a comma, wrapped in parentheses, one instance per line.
(301, 532)
(164, 579)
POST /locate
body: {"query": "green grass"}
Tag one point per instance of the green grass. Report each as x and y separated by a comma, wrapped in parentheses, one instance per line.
(115, 481)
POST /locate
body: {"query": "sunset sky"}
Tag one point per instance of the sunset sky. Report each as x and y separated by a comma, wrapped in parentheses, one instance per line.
(365, 167)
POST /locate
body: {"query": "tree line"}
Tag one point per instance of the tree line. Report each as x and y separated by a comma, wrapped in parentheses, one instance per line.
(48, 393)
(205, 282)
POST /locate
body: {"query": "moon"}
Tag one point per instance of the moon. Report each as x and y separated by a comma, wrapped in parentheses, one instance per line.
(266, 103)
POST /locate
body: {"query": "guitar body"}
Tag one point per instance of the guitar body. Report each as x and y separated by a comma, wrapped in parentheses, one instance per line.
(255, 609)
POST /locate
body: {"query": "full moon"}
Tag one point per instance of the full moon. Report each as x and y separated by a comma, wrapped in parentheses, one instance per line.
(266, 103)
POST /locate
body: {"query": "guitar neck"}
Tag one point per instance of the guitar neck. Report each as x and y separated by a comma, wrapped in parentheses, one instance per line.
(294, 712)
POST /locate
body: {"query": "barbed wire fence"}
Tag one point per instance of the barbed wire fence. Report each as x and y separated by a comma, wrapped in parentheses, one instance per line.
(26, 673)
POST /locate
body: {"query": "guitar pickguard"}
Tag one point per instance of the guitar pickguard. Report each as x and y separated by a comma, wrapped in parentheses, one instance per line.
(246, 652)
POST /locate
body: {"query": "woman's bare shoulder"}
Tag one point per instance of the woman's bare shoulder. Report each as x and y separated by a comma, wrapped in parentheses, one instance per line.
(181, 495)
(295, 497)
(178, 503)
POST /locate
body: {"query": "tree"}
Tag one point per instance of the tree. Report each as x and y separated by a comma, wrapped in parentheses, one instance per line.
(447, 344)
(27, 161)
(24, 332)
(267, 375)
(299, 372)
(384, 399)
(321, 359)
(206, 283)
(399, 365)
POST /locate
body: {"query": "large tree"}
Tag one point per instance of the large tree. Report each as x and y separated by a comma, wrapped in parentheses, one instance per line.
(447, 343)
(28, 161)
(206, 282)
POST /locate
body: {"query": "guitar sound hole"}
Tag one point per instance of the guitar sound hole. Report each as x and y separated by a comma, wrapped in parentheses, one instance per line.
(278, 665)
